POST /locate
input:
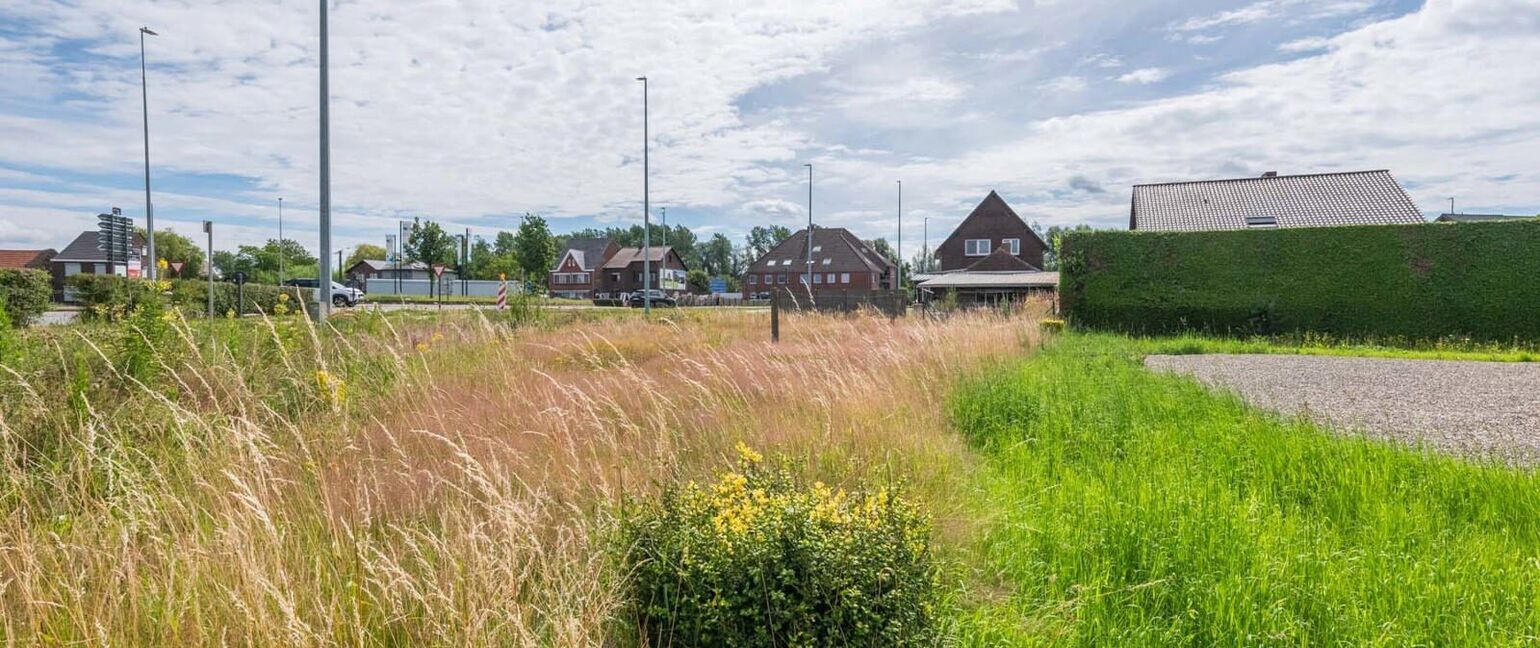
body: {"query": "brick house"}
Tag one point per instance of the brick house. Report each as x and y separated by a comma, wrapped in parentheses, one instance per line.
(991, 226)
(81, 256)
(573, 275)
(621, 272)
(26, 259)
(842, 263)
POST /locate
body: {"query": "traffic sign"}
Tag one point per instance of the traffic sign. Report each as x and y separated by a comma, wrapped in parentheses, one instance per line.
(176, 266)
(438, 270)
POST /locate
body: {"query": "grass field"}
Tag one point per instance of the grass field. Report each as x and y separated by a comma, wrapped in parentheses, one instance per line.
(1129, 508)
(423, 478)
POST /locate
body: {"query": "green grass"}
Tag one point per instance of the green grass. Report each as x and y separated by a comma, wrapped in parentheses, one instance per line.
(1320, 344)
(1131, 508)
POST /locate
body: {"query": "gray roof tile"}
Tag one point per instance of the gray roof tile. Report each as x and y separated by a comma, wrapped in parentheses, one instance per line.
(1314, 200)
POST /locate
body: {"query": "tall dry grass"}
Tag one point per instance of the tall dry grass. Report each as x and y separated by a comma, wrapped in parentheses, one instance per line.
(466, 499)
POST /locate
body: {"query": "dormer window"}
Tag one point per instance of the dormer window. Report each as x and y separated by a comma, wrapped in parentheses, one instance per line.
(1261, 222)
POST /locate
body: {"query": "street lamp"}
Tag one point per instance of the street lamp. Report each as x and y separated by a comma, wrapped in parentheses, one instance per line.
(900, 284)
(323, 283)
(807, 277)
(646, 209)
(925, 245)
(280, 241)
(144, 96)
(665, 225)
(208, 228)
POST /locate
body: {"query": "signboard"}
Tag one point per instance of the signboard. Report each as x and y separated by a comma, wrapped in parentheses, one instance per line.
(114, 236)
(718, 285)
(671, 279)
(438, 270)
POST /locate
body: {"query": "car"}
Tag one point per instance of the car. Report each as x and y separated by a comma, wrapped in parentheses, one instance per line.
(659, 299)
(341, 295)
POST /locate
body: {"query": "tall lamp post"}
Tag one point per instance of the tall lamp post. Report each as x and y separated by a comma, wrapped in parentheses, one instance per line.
(665, 225)
(646, 209)
(925, 245)
(324, 282)
(208, 228)
(149, 209)
(280, 241)
(900, 284)
(807, 275)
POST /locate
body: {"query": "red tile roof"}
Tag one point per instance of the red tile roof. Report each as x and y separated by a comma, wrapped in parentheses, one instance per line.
(21, 259)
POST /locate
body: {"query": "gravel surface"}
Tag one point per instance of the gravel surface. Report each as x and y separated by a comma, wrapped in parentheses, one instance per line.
(1480, 409)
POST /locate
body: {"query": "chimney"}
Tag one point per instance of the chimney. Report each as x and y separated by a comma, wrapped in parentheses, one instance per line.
(1270, 174)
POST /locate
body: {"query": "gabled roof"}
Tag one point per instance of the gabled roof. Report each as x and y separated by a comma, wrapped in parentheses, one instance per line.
(1001, 260)
(991, 208)
(997, 280)
(83, 248)
(1312, 200)
(379, 265)
(25, 259)
(628, 255)
(844, 251)
(589, 252)
(1478, 218)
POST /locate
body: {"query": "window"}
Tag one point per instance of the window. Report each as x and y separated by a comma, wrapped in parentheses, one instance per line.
(769, 279)
(976, 247)
(844, 277)
(753, 280)
(1013, 244)
(817, 248)
(636, 276)
(781, 278)
(828, 261)
(786, 262)
(817, 278)
(1261, 221)
(829, 278)
(615, 277)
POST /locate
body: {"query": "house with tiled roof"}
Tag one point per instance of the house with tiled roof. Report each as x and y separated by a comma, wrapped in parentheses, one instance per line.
(841, 263)
(992, 256)
(26, 259)
(623, 272)
(82, 256)
(1273, 201)
(573, 274)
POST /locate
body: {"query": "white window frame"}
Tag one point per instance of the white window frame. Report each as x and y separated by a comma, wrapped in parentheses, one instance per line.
(754, 280)
(970, 247)
(1014, 244)
(817, 248)
(829, 279)
(844, 277)
(828, 261)
(817, 277)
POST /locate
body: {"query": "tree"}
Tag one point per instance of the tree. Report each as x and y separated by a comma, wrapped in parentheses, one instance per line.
(260, 264)
(1052, 237)
(175, 248)
(717, 256)
(763, 239)
(430, 244)
(697, 282)
(364, 252)
(535, 248)
(880, 246)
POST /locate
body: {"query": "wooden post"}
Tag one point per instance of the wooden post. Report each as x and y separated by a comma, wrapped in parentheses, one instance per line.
(775, 316)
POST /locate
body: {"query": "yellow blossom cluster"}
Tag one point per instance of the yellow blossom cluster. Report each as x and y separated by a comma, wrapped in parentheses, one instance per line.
(332, 388)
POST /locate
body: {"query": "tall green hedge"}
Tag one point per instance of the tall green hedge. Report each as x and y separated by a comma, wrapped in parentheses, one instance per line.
(25, 294)
(1477, 280)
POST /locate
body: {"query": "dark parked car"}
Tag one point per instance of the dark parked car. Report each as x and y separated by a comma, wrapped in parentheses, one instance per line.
(659, 299)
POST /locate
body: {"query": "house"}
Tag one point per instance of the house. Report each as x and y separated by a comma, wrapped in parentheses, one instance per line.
(1478, 218)
(574, 273)
(621, 273)
(26, 259)
(1273, 201)
(993, 256)
(82, 256)
(360, 273)
(842, 263)
(990, 226)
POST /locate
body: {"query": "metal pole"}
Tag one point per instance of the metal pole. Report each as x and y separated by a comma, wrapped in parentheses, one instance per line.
(925, 246)
(149, 209)
(208, 228)
(665, 225)
(646, 209)
(280, 241)
(324, 284)
(900, 284)
(807, 276)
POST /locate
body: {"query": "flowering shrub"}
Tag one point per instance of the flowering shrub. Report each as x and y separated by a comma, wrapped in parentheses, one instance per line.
(760, 559)
(1052, 326)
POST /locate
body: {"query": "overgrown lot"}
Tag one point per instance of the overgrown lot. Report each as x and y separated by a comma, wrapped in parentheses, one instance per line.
(1132, 508)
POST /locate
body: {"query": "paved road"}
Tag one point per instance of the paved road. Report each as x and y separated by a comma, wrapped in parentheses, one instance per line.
(60, 316)
(1486, 409)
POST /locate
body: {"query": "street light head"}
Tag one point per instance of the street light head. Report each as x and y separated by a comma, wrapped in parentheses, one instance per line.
(147, 30)
(641, 78)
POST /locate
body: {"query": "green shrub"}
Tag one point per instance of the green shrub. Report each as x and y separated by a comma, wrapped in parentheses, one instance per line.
(1430, 281)
(25, 294)
(760, 559)
(110, 298)
(7, 336)
(113, 298)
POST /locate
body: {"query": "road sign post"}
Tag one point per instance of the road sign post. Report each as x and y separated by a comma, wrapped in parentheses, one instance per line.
(502, 291)
(438, 278)
(240, 293)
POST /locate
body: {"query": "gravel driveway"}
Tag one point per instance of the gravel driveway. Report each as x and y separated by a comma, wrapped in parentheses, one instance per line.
(1484, 409)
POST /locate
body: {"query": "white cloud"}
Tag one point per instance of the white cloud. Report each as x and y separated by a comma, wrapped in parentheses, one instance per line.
(1310, 44)
(1145, 76)
(1103, 60)
(1064, 84)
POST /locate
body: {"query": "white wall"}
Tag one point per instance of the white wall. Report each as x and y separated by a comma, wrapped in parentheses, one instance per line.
(449, 287)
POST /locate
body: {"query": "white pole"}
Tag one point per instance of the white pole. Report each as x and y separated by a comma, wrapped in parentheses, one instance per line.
(149, 209)
(324, 282)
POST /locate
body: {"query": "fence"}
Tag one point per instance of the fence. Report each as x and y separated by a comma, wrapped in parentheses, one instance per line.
(893, 303)
(426, 287)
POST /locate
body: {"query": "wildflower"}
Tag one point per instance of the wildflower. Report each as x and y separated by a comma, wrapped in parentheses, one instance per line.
(422, 347)
(283, 297)
(748, 454)
(230, 314)
(332, 387)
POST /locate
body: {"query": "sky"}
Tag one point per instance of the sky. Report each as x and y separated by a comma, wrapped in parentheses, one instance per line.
(475, 112)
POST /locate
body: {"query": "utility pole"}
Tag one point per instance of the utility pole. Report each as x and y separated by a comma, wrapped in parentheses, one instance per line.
(149, 208)
(900, 284)
(807, 276)
(208, 228)
(324, 283)
(281, 253)
(646, 209)
(925, 245)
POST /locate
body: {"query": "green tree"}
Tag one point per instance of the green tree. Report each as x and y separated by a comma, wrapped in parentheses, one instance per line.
(175, 248)
(535, 248)
(717, 256)
(1051, 237)
(763, 239)
(260, 264)
(364, 252)
(429, 243)
(697, 281)
(880, 246)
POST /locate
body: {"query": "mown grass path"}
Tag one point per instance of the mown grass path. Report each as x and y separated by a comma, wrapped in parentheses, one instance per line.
(1132, 508)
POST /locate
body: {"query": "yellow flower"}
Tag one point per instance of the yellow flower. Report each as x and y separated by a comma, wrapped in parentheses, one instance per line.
(283, 297)
(748, 454)
(422, 347)
(162, 264)
(230, 313)
(332, 387)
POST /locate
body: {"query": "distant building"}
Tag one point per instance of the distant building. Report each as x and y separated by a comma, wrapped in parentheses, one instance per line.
(842, 263)
(1273, 201)
(81, 256)
(1478, 218)
(26, 259)
(360, 273)
(991, 226)
(576, 268)
(621, 273)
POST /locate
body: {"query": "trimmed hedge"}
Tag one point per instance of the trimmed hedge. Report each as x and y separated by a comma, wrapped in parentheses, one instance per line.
(26, 294)
(109, 297)
(1476, 280)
